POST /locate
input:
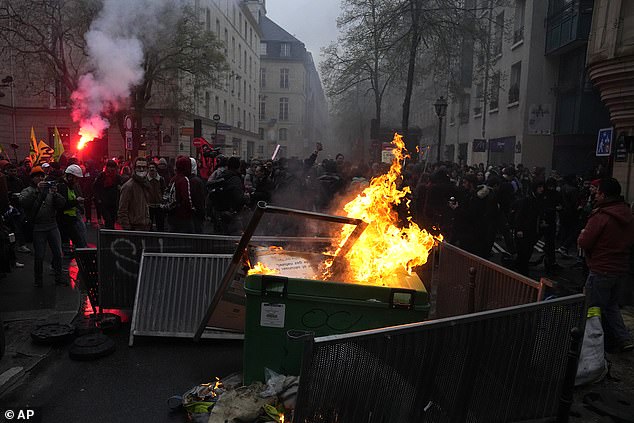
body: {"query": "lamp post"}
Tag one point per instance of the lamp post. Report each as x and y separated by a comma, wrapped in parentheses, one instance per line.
(441, 111)
(158, 121)
(216, 119)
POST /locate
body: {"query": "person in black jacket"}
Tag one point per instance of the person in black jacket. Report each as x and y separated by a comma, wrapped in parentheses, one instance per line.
(227, 197)
(527, 225)
(106, 191)
(470, 208)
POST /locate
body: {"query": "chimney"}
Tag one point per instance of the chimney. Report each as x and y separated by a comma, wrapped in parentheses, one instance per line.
(257, 8)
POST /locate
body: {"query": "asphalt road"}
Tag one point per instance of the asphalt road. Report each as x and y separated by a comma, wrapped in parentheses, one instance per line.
(131, 385)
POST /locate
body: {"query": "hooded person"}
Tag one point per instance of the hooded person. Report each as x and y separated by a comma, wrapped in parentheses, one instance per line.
(106, 191)
(607, 240)
(198, 197)
(134, 210)
(528, 218)
(180, 218)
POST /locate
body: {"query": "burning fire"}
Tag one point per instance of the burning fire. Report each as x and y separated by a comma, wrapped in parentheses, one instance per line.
(384, 251)
(261, 269)
(387, 249)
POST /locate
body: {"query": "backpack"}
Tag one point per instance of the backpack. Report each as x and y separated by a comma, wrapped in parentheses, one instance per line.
(216, 190)
(169, 202)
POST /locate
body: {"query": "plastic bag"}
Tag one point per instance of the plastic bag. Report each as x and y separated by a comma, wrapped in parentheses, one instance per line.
(274, 383)
(592, 366)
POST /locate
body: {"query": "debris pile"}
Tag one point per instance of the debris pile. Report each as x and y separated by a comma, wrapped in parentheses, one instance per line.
(228, 401)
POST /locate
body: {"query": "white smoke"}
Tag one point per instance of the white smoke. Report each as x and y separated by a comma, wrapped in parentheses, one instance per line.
(116, 42)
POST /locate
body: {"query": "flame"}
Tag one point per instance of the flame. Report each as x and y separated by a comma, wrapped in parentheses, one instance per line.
(87, 133)
(261, 269)
(281, 418)
(387, 248)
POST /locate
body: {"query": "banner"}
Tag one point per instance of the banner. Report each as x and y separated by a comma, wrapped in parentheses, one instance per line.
(33, 152)
(58, 146)
(45, 152)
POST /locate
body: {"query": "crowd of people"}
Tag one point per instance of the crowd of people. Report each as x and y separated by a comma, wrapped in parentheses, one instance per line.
(472, 206)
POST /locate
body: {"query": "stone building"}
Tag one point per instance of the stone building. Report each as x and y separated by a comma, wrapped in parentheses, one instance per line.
(292, 104)
(610, 63)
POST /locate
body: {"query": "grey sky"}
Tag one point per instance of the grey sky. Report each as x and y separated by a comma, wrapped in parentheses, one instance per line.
(311, 21)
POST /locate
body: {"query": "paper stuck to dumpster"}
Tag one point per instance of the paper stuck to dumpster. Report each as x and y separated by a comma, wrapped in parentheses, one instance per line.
(291, 264)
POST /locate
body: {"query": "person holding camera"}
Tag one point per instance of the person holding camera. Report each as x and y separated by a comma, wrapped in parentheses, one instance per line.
(42, 202)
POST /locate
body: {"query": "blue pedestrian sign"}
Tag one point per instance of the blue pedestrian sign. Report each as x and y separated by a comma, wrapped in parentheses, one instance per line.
(604, 142)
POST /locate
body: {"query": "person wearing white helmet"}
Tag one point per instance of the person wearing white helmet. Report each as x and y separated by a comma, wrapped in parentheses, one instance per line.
(69, 219)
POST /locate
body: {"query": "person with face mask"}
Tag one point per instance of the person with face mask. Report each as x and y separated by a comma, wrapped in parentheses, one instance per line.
(106, 192)
(134, 209)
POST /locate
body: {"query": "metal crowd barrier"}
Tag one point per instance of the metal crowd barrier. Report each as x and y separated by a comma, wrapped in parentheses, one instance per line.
(119, 256)
(466, 283)
(174, 292)
(504, 365)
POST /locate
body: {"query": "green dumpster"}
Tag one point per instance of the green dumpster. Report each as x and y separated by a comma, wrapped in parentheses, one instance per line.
(278, 305)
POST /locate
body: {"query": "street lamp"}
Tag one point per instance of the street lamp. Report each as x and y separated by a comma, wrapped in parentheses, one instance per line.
(441, 111)
(158, 121)
(216, 119)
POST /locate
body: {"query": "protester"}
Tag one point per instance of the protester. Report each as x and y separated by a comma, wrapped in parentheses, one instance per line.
(607, 239)
(134, 210)
(180, 218)
(157, 186)
(198, 197)
(106, 191)
(42, 202)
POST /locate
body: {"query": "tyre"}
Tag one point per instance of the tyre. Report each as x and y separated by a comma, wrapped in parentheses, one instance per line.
(52, 333)
(91, 347)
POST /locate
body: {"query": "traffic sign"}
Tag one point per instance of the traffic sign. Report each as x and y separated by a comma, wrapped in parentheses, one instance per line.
(604, 142)
(128, 140)
(187, 131)
(128, 122)
(224, 127)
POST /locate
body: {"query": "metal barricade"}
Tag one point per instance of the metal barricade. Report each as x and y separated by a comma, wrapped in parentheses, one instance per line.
(504, 365)
(120, 256)
(489, 286)
(173, 293)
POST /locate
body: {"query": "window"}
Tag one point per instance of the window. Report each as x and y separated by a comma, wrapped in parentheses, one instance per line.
(262, 77)
(224, 110)
(233, 48)
(217, 104)
(261, 147)
(283, 78)
(248, 126)
(262, 108)
(239, 56)
(261, 133)
(250, 96)
(251, 37)
(284, 108)
(262, 49)
(226, 40)
(208, 20)
(207, 103)
(244, 119)
(239, 89)
(244, 89)
(465, 103)
(285, 49)
(495, 91)
(233, 115)
(498, 34)
(250, 68)
(245, 58)
(283, 134)
(518, 25)
(239, 121)
(514, 88)
(218, 29)
(477, 109)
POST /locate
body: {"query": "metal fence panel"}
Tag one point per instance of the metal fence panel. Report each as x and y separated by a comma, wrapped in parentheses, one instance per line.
(120, 256)
(174, 292)
(496, 366)
(495, 286)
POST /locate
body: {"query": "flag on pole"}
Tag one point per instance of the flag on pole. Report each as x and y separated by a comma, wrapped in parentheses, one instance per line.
(45, 152)
(33, 152)
(58, 146)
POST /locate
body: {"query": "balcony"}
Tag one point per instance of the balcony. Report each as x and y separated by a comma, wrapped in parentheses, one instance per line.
(518, 35)
(568, 27)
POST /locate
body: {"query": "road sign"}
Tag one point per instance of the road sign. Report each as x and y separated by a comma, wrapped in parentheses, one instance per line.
(223, 127)
(128, 140)
(187, 131)
(128, 122)
(604, 142)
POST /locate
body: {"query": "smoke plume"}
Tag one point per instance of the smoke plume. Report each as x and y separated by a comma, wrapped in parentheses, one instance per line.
(116, 42)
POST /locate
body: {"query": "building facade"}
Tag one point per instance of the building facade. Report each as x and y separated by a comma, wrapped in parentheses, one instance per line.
(529, 100)
(235, 102)
(610, 61)
(292, 104)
